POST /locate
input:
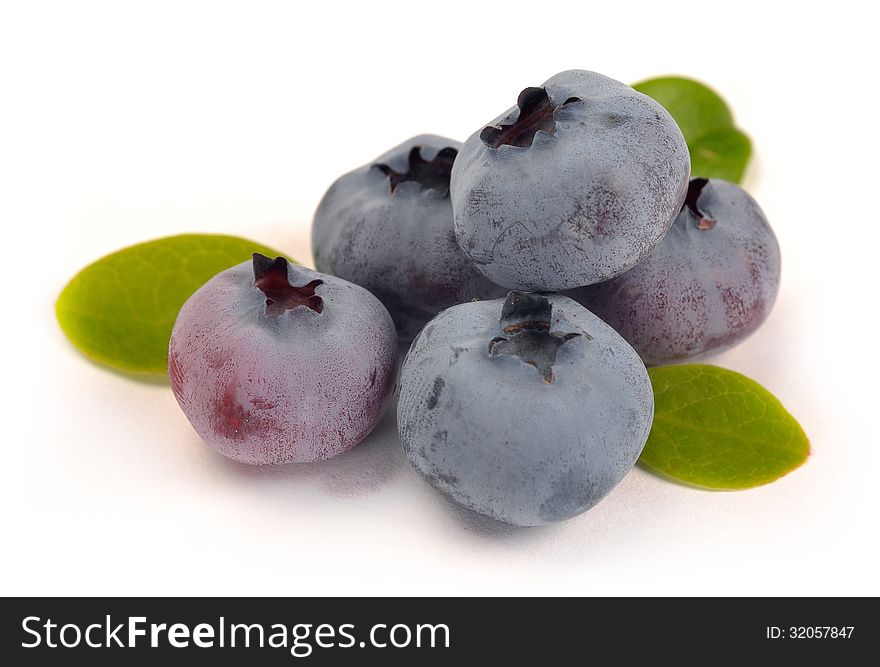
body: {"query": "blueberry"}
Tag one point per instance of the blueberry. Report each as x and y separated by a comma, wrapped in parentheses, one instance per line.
(708, 285)
(573, 186)
(274, 363)
(388, 227)
(528, 409)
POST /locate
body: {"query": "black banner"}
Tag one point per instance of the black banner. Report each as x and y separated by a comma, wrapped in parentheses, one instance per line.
(317, 631)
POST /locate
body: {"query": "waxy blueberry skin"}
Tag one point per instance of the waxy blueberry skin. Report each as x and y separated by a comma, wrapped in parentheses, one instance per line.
(525, 424)
(387, 226)
(573, 186)
(275, 363)
(710, 283)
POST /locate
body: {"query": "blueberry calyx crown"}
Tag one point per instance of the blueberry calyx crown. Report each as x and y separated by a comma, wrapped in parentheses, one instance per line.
(536, 111)
(430, 174)
(526, 319)
(271, 278)
(702, 221)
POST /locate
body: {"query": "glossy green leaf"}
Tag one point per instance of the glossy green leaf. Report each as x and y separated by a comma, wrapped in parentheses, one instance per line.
(120, 309)
(718, 149)
(718, 429)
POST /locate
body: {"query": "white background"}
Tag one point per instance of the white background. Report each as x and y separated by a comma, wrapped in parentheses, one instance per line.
(121, 122)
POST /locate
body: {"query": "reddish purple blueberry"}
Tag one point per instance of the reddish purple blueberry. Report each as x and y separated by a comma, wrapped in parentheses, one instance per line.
(708, 285)
(274, 363)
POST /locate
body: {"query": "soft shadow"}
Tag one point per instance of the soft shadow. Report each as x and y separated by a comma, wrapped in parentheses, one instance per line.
(754, 172)
(367, 467)
(659, 474)
(485, 527)
(364, 469)
(154, 379)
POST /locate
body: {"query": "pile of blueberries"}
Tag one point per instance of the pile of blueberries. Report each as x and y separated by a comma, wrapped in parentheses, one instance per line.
(536, 269)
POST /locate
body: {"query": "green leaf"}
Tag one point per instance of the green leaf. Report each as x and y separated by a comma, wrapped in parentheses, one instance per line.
(718, 429)
(695, 107)
(120, 309)
(721, 154)
(718, 149)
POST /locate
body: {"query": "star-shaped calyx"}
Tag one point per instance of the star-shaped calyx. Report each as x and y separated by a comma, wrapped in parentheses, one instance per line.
(430, 174)
(691, 203)
(535, 113)
(526, 319)
(272, 279)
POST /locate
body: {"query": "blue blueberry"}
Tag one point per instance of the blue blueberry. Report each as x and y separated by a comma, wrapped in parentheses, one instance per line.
(708, 285)
(387, 226)
(528, 409)
(573, 186)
